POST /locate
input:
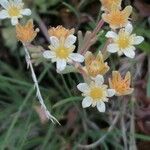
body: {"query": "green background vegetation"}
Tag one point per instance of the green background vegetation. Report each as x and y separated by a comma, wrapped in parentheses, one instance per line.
(20, 125)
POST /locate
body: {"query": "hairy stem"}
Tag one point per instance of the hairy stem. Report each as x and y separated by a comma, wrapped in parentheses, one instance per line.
(87, 44)
(38, 93)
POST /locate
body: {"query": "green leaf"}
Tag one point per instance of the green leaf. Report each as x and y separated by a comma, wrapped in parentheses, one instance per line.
(9, 36)
(145, 47)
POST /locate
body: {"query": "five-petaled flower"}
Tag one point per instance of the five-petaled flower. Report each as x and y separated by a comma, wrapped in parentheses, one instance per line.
(61, 52)
(108, 5)
(26, 33)
(124, 41)
(121, 86)
(13, 10)
(95, 65)
(60, 32)
(117, 18)
(95, 93)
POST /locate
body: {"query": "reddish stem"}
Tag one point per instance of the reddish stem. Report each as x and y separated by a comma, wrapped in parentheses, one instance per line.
(93, 34)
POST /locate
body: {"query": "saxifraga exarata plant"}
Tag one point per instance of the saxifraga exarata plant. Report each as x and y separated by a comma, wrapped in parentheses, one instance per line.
(121, 40)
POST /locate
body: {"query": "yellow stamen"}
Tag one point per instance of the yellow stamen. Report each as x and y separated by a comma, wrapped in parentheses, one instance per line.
(14, 11)
(62, 52)
(123, 40)
(96, 93)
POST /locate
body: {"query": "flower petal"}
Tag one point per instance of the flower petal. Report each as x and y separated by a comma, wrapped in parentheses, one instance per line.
(4, 3)
(87, 101)
(18, 1)
(83, 87)
(101, 106)
(111, 92)
(105, 99)
(111, 34)
(48, 54)
(112, 48)
(70, 40)
(3, 14)
(77, 57)
(129, 28)
(26, 12)
(14, 21)
(129, 53)
(99, 80)
(61, 65)
(54, 41)
(138, 40)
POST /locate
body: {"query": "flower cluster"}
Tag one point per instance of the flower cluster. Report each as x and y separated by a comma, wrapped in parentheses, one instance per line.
(62, 51)
(123, 40)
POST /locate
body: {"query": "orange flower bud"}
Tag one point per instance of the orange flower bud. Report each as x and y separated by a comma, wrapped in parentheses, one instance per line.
(117, 18)
(26, 33)
(108, 5)
(95, 65)
(121, 86)
(60, 31)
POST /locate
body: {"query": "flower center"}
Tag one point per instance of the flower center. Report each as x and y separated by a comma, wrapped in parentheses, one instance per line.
(62, 53)
(123, 41)
(96, 93)
(94, 68)
(95, 64)
(14, 11)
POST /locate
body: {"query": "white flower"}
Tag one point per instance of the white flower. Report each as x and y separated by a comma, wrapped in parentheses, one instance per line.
(124, 41)
(61, 52)
(13, 9)
(95, 93)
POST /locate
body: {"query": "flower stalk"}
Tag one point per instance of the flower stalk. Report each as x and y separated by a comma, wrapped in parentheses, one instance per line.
(38, 92)
(91, 38)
